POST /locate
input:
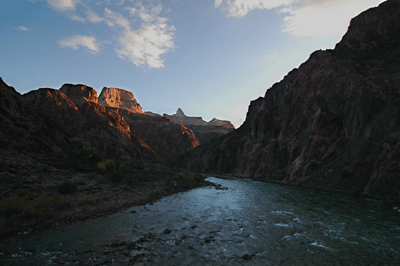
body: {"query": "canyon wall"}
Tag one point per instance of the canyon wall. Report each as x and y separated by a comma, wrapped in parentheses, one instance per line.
(42, 122)
(333, 123)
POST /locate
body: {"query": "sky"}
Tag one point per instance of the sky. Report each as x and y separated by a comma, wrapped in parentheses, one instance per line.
(210, 58)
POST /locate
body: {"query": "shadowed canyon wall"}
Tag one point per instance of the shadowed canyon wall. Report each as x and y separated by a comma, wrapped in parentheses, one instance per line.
(42, 122)
(333, 123)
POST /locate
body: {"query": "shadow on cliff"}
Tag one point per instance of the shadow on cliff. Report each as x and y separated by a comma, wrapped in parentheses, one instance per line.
(333, 123)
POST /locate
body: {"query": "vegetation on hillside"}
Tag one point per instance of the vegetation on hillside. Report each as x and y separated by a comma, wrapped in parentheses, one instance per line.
(82, 183)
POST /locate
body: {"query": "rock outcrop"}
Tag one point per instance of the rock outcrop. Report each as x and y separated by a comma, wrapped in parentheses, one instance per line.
(333, 123)
(79, 93)
(220, 123)
(180, 117)
(118, 98)
(204, 131)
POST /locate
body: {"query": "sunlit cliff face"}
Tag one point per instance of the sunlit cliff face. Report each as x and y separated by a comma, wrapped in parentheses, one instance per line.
(80, 93)
(118, 98)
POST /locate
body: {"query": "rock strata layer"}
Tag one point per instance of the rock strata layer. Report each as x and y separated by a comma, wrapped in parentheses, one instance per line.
(118, 98)
(333, 123)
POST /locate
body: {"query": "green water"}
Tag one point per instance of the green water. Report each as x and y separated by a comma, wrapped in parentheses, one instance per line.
(273, 224)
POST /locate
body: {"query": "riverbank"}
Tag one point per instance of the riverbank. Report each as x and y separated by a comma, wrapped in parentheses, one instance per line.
(312, 187)
(37, 197)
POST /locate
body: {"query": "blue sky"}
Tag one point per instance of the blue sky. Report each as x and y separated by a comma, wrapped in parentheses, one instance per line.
(210, 58)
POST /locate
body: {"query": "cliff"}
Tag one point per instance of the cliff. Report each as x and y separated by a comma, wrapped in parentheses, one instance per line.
(79, 93)
(204, 131)
(333, 123)
(118, 98)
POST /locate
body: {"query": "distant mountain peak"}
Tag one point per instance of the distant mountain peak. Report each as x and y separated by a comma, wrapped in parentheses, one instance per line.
(180, 117)
(179, 112)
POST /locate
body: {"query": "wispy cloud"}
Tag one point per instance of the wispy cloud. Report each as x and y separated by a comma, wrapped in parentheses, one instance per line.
(115, 19)
(77, 18)
(240, 8)
(93, 17)
(63, 5)
(304, 17)
(74, 42)
(145, 44)
(143, 34)
(22, 28)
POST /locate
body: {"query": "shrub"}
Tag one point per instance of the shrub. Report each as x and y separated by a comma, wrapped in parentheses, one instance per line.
(123, 168)
(108, 165)
(197, 177)
(83, 150)
(67, 187)
(17, 210)
(84, 200)
(191, 179)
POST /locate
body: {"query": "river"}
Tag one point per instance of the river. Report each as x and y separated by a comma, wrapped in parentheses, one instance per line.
(249, 223)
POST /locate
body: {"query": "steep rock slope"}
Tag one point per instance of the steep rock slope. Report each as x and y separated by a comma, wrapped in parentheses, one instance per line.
(165, 138)
(108, 132)
(118, 133)
(333, 123)
(26, 130)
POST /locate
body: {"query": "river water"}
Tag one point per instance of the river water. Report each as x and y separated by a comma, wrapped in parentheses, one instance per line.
(249, 223)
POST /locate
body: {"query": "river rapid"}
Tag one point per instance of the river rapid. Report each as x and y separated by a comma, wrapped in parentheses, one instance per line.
(248, 223)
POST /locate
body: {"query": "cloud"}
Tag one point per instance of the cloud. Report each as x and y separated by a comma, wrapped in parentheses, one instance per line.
(240, 8)
(115, 19)
(22, 28)
(304, 17)
(77, 18)
(143, 35)
(327, 18)
(152, 38)
(93, 17)
(63, 5)
(75, 41)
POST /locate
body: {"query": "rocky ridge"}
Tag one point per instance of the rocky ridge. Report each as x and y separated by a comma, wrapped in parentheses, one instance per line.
(42, 121)
(180, 117)
(333, 123)
(204, 131)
